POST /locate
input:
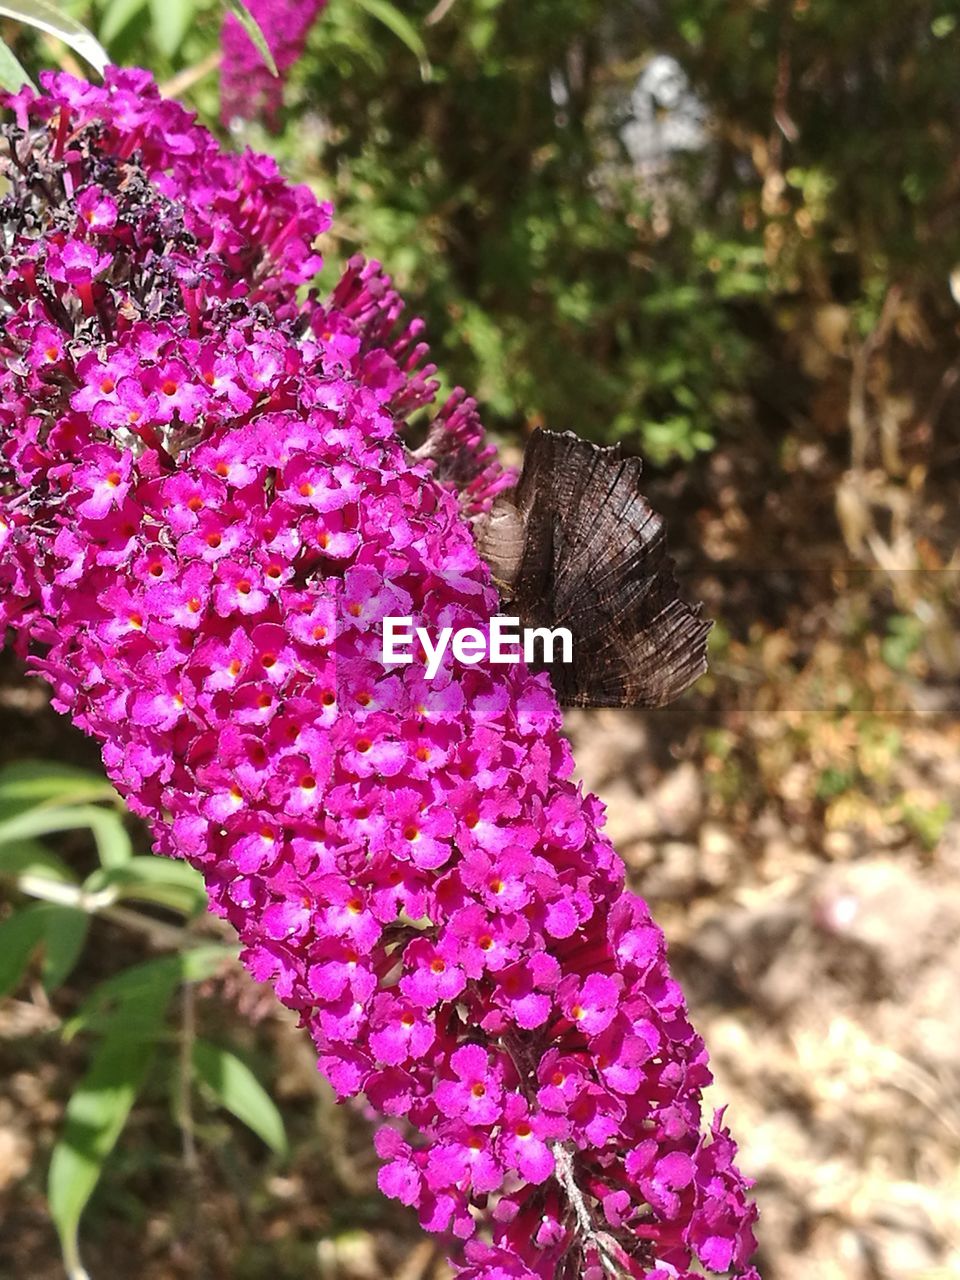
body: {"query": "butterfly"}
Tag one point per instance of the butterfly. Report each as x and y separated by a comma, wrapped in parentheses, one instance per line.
(577, 545)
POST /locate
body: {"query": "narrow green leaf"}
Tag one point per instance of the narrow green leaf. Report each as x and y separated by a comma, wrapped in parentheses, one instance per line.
(237, 1089)
(170, 21)
(30, 783)
(64, 934)
(12, 74)
(47, 17)
(97, 1112)
(114, 847)
(106, 826)
(402, 28)
(151, 879)
(253, 29)
(20, 935)
(126, 990)
(118, 14)
(199, 963)
(61, 932)
(30, 858)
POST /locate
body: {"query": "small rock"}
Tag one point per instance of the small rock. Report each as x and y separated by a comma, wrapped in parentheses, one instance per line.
(839, 845)
(629, 817)
(678, 801)
(718, 851)
(674, 872)
(883, 905)
(15, 1156)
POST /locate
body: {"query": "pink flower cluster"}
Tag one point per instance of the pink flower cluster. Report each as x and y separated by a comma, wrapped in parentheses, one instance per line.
(206, 509)
(248, 89)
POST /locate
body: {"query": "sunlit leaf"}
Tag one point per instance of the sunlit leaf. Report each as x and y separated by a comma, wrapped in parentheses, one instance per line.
(98, 1110)
(12, 74)
(21, 858)
(59, 930)
(150, 879)
(20, 935)
(118, 14)
(402, 28)
(64, 935)
(47, 17)
(30, 783)
(106, 826)
(237, 1089)
(171, 21)
(127, 989)
(254, 31)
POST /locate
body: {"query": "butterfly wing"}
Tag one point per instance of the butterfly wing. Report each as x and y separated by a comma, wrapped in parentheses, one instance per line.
(647, 669)
(594, 560)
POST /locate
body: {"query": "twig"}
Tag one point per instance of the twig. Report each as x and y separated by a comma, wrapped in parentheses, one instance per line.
(177, 85)
(857, 412)
(781, 112)
(564, 1165)
(418, 1261)
(188, 1034)
(159, 932)
(101, 904)
(438, 12)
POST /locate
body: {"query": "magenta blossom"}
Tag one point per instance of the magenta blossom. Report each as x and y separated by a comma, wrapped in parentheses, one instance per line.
(248, 89)
(200, 566)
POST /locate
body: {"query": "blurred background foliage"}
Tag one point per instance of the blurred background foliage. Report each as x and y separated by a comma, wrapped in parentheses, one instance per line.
(727, 233)
(629, 217)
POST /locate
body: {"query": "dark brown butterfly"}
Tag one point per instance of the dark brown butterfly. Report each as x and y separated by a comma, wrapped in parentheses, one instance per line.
(576, 545)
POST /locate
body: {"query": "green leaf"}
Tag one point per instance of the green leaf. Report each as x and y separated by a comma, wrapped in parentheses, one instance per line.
(60, 930)
(113, 843)
(21, 858)
(238, 1090)
(47, 17)
(20, 935)
(118, 14)
(402, 28)
(151, 879)
(171, 20)
(12, 74)
(114, 848)
(30, 783)
(97, 1112)
(253, 29)
(127, 989)
(64, 936)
